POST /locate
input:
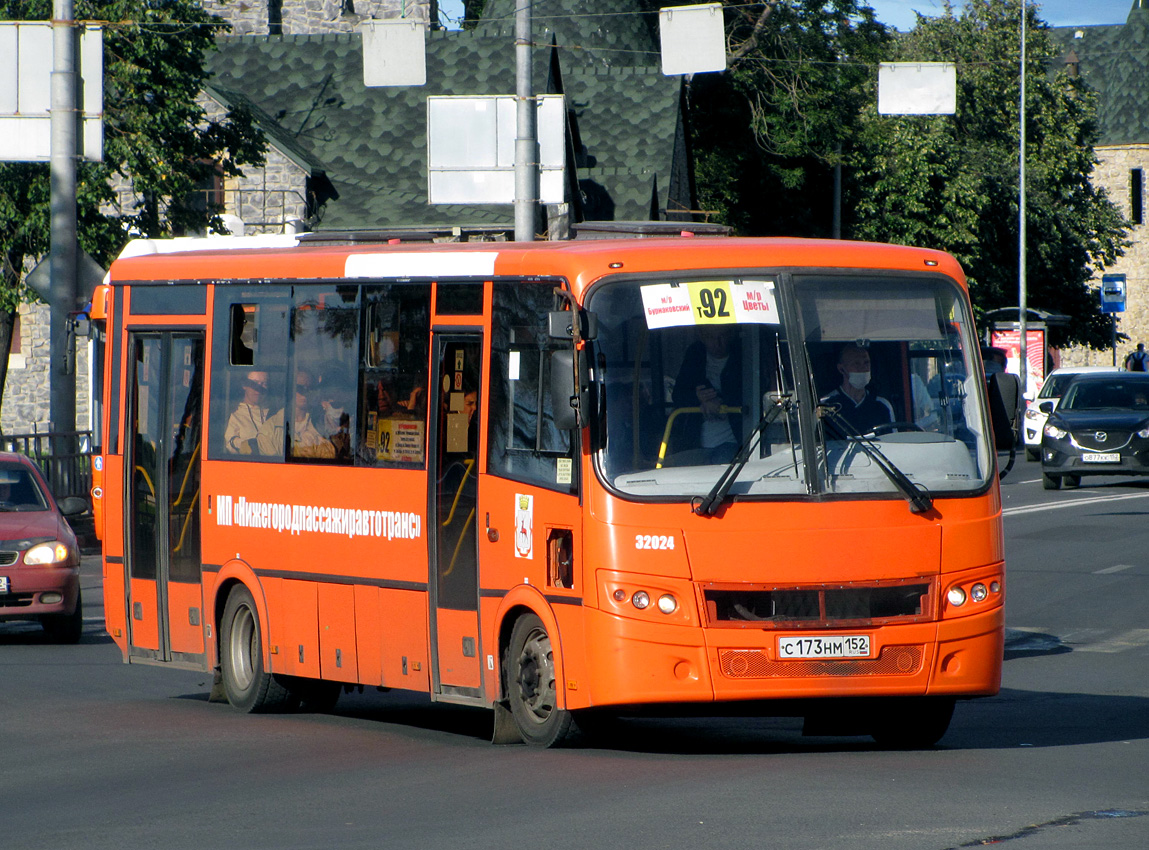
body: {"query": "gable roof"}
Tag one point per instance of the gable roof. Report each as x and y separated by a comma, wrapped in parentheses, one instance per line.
(1114, 60)
(371, 142)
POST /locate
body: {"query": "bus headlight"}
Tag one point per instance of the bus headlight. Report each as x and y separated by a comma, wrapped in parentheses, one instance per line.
(956, 596)
(978, 592)
(667, 604)
(640, 600)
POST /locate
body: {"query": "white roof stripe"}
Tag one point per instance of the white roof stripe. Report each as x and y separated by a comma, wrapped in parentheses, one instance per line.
(429, 264)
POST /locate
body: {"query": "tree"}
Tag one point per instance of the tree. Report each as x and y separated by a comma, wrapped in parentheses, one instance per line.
(157, 137)
(769, 132)
(951, 181)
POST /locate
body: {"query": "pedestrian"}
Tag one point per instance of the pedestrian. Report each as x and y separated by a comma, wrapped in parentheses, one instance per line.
(1138, 361)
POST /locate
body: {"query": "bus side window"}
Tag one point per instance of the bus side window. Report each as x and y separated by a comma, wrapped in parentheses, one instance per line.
(247, 382)
(392, 428)
(523, 442)
(319, 418)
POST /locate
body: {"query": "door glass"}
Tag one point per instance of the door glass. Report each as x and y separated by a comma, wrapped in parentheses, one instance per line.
(185, 423)
(457, 491)
(147, 428)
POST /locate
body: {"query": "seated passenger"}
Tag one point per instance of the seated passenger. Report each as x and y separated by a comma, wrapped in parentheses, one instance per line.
(864, 411)
(306, 441)
(241, 434)
(710, 378)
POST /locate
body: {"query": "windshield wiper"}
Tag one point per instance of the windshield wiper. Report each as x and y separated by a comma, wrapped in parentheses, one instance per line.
(918, 497)
(708, 505)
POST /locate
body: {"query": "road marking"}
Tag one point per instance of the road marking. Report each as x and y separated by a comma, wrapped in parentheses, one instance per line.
(1111, 570)
(1073, 503)
(1132, 639)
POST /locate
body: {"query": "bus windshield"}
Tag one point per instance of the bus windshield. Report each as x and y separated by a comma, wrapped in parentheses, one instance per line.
(816, 383)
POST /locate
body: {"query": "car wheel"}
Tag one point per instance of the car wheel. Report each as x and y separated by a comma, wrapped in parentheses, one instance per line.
(1032, 454)
(65, 628)
(1050, 482)
(1072, 480)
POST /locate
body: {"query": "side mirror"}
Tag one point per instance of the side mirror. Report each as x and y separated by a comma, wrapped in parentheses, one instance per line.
(567, 400)
(72, 505)
(1046, 407)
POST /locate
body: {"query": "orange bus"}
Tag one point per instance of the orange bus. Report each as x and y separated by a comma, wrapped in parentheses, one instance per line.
(565, 481)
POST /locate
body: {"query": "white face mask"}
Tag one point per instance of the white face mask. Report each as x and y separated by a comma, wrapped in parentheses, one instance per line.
(858, 380)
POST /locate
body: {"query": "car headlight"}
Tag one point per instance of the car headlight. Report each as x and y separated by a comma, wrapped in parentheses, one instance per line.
(1055, 432)
(1033, 413)
(1144, 433)
(46, 553)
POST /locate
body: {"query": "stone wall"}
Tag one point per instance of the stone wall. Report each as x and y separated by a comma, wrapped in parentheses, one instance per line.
(1113, 173)
(26, 388)
(313, 17)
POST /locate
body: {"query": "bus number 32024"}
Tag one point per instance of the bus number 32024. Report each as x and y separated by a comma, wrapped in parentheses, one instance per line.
(654, 541)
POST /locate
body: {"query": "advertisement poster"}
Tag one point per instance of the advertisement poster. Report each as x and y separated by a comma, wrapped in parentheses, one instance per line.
(1010, 341)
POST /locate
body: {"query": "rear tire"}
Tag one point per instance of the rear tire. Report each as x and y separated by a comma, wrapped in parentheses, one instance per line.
(65, 628)
(531, 690)
(247, 685)
(911, 723)
(1050, 482)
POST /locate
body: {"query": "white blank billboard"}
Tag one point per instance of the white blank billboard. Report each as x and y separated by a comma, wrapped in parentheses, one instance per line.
(917, 88)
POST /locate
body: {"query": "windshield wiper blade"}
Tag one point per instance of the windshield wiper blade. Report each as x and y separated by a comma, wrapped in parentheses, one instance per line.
(918, 497)
(708, 505)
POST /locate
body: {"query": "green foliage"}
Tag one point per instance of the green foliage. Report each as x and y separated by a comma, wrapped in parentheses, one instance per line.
(768, 133)
(157, 136)
(951, 181)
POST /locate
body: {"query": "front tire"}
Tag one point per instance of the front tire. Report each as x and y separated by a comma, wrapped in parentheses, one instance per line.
(531, 690)
(1050, 482)
(65, 628)
(1072, 480)
(247, 685)
(1032, 454)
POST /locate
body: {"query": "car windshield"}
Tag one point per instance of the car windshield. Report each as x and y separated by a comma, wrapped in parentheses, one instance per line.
(1114, 394)
(19, 490)
(1054, 386)
(692, 371)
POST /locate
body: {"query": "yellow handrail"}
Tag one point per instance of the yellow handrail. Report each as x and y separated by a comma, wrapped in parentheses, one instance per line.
(674, 414)
(458, 493)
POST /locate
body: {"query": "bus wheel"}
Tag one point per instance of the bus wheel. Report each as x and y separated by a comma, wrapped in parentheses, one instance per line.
(531, 685)
(912, 723)
(249, 688)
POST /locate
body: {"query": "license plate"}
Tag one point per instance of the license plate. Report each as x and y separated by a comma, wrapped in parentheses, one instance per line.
(3, 584)
(1101, 457)
(826, 646)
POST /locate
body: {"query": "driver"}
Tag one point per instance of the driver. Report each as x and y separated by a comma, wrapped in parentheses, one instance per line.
(865, 411)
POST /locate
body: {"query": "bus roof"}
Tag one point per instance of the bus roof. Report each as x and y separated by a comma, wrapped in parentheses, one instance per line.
(580, 263)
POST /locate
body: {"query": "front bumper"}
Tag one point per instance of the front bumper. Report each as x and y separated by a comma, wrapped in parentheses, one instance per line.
(28, 587)
(1059, 459)
(633, 662)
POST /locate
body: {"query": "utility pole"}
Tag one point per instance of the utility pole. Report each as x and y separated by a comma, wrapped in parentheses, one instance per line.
(526, 125)
(1022, 294)
(63, 256)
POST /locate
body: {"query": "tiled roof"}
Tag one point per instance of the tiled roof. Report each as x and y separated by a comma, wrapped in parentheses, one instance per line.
(371, 142)
(1114, 60)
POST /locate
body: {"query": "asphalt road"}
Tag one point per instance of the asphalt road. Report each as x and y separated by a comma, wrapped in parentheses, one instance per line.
(97, 754)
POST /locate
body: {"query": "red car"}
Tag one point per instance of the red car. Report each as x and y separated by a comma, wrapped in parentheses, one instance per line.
(39, 556)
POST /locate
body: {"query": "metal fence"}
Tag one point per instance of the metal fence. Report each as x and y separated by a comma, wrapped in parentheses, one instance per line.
(65, 458)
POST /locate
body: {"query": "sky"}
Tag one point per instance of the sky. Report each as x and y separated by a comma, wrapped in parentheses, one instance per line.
(900, 13)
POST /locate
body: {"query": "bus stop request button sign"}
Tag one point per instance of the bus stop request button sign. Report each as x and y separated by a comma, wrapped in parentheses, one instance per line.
(836, 646)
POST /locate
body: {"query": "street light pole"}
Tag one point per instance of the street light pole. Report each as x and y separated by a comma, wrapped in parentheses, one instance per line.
(1022, 294)
(526, 136)
(64, 249)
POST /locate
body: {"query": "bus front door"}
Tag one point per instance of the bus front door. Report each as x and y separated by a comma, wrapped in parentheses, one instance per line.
(162, 558)
(454, 504)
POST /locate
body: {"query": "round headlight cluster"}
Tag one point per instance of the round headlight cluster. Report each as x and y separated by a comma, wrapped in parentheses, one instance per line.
(640, 599)
(978, 592)
(1054, 432)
